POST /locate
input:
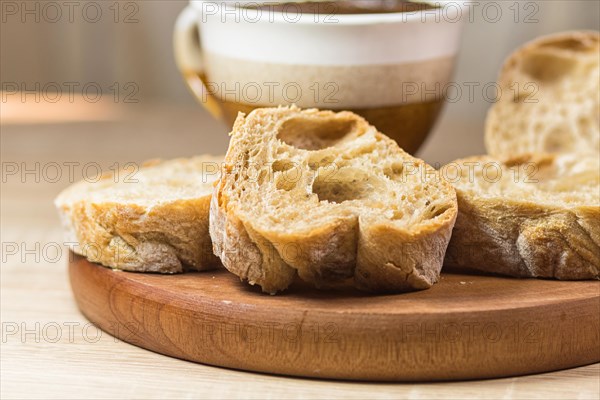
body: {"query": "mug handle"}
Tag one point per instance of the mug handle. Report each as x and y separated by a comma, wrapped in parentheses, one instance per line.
(188, 56)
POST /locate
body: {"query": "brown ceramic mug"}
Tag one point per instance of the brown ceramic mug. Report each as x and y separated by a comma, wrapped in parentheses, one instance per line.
(388, 65)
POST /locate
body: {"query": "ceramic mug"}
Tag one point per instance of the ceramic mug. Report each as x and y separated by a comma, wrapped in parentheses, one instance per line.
(389, 67)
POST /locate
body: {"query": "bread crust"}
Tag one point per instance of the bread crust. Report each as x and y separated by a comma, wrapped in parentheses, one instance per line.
(393, 260)
(252, 259)
(152, 236)
(512, 234)
(350, 249)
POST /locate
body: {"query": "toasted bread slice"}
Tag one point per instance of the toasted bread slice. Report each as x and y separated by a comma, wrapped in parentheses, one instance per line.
(550, 98)
(531, 216)
(152, 220)
(325, 196)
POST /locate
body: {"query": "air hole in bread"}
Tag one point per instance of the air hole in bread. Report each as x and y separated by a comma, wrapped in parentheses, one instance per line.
(436, 210)
(397, 214)
(558, 139)
(283, 183)
(394, 171)
(571, 44)
(585, 125)
(262, 177)
(320, 160)
(345, 185)
(520, 97)
(337, 192)
(286, 174)
(525, 96)
(314, 133)
(282, 165)
(547, 67)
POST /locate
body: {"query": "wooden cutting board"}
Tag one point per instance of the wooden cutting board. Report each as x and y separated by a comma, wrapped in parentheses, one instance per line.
(464, 327)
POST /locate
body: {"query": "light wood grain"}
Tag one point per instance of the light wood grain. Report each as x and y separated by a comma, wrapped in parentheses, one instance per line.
(83, 366)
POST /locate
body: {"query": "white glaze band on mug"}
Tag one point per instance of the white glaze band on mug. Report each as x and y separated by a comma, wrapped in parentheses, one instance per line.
(233, 31)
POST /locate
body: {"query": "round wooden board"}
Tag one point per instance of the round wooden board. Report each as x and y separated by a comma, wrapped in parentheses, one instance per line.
(464, 327)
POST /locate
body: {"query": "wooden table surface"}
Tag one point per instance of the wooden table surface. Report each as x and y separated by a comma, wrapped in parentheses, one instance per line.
(49, 350)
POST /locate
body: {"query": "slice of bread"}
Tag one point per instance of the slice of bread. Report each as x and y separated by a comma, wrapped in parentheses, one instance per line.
(325, 196)
(550, 99)
(530, 216)
(154, 219)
